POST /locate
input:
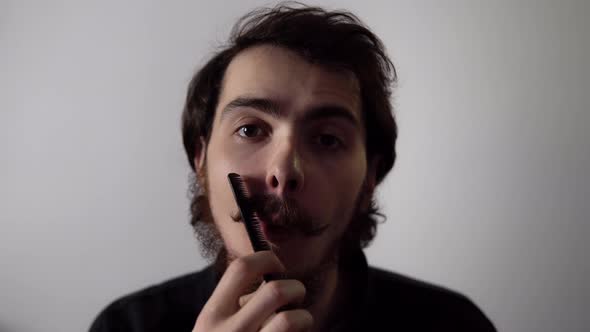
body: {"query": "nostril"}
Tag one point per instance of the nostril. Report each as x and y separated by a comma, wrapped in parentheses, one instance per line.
(275, 182)
(292, 185)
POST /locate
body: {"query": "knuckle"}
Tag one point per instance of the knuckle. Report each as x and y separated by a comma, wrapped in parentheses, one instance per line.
(277, 262)
(301, 287)
(307, 318)
(234, 325)
(202, 324)
(239, 266)
(276, 292)
(209, 310)
(294, 320)
(286, 321)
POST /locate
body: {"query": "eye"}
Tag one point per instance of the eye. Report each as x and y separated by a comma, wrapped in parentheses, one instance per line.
(249, 131)
(328, 141)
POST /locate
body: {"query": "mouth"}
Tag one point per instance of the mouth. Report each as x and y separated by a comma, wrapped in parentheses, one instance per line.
(276, 234)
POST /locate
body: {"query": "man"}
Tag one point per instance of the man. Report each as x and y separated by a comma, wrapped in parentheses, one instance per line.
(298, 104)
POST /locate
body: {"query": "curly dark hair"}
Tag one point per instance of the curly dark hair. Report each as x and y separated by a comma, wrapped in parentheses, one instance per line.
(335, 39)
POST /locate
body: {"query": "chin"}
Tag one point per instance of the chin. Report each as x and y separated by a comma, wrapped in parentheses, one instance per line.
(301, 257)
(296, 261)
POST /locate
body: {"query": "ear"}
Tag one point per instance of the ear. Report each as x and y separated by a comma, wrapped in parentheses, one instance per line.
(372, 167)
(200, 155)
(370, 181)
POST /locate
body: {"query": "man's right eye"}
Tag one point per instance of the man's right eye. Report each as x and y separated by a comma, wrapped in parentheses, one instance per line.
(249, 131)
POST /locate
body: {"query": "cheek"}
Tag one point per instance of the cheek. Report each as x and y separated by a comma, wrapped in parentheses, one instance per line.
(333, 191)
(242, 158)
(219, 192)
(220, 162)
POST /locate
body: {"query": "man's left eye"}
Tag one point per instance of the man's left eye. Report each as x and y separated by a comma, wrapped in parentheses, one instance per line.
(328, 141)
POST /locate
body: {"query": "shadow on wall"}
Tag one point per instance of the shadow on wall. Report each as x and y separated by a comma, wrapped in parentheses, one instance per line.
(5, 328)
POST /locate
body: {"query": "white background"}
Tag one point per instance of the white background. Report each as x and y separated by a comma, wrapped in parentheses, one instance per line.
(489, 196)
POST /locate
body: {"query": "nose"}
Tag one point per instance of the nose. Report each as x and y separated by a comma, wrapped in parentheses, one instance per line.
(285, 174)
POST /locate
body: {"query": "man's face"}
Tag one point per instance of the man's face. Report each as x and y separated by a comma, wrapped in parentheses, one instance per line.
(294, 131)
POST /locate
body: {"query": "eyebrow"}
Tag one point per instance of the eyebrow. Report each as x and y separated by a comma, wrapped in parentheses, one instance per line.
(273, 109)
(260, 104)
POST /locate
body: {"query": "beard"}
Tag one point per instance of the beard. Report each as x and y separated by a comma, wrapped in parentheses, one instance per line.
(286, 214)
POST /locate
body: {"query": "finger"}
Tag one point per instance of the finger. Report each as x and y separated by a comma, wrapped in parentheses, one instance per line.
(245, 298)
(268, 319)
(238, 278)
(290, 321)
(268, 299)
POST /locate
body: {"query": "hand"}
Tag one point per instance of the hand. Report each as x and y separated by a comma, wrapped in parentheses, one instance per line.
(231, 308)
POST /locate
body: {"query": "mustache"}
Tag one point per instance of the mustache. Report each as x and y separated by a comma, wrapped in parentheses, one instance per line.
(284, 213)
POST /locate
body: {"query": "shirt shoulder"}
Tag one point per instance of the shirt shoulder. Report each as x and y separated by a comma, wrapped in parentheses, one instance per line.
(172, 305)
(422, 306)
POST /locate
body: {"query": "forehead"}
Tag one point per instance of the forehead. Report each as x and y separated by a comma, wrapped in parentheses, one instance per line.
(283, 76)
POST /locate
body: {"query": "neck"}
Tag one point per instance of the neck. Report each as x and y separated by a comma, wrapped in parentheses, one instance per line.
(326, 301)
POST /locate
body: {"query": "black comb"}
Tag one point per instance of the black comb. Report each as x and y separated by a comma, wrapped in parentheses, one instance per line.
(251, 221)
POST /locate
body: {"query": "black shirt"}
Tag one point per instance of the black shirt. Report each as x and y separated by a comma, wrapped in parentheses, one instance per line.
(380, 301)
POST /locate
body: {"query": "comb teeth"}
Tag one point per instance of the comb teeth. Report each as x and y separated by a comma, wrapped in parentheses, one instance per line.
(238, 183)
(260, 239)
(251, 220)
